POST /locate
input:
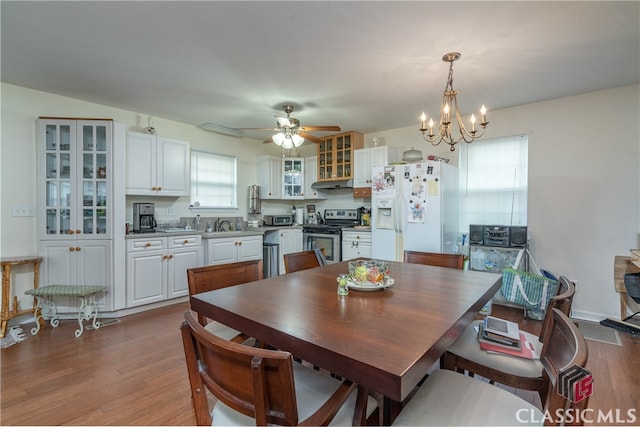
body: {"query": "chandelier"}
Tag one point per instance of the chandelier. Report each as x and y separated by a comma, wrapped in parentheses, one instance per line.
(444, 130)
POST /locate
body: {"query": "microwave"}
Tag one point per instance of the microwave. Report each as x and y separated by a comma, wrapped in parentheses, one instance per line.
(278, 220)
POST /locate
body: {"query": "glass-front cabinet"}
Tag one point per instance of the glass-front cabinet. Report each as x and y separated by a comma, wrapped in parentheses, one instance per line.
(293, 178)
(335, 155)
(76, 191)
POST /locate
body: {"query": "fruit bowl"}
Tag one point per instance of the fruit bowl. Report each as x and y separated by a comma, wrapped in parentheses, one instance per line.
(372, 271)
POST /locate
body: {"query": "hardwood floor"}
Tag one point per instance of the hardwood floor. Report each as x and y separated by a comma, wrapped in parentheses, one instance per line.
(133, 373)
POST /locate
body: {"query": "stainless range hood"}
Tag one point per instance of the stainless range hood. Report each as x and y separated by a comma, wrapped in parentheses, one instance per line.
(332, 185)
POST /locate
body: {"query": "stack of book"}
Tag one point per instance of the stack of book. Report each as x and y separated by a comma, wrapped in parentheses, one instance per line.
(502, 336)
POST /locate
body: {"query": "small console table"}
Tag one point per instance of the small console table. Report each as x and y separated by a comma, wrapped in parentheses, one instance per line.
(7, 263)
(46, 308)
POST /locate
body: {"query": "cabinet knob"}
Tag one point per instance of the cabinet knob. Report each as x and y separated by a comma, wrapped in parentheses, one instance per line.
(185, 242)
(78, 231)
(170, 256)
(77, 249)
(71, 249)
(159, 188)
(70, 231)
(147, 245)
(154, 188)
(239, 243)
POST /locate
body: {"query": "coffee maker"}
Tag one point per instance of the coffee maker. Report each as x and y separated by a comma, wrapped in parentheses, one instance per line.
(144, 220)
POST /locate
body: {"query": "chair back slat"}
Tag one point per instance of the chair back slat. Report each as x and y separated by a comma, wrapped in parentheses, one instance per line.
(562, 301)
(434, 258)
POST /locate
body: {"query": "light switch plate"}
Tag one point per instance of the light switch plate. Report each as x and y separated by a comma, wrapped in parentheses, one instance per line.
(22, 210)
(171, 211)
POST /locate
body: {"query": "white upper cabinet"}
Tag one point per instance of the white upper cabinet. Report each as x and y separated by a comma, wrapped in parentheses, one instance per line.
(311, 176)
(365, 159)
(293, 178)
(157, 166)
(270, 177)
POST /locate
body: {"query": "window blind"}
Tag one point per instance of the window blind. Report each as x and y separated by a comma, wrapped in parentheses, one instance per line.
(494, 182)
(213, 180)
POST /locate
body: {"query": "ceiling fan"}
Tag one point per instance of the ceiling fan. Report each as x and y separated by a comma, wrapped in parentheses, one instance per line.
(289, 132)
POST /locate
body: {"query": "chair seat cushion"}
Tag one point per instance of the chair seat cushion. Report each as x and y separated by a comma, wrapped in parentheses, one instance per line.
(450, 398)
(467, 347)
(313, 388)
(221, 330)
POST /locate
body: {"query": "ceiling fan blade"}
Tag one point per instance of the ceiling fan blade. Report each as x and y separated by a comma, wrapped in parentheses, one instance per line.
(255, 129)
(268, 140)
(310, 137)
(321, 128)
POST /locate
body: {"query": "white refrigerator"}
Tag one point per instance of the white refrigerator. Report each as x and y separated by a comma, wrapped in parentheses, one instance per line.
(414, 207)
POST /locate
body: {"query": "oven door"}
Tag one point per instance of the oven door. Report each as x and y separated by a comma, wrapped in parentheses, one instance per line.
(329, 242)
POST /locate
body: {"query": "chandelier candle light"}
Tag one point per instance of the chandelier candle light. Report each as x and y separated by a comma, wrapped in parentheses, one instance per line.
(445, 127)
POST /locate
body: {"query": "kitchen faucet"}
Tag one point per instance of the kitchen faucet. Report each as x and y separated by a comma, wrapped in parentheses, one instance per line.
(198, 222)
(219, 225)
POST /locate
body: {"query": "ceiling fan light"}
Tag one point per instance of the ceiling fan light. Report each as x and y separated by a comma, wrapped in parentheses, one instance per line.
(287, 143)
(278, 138)
(297, 140)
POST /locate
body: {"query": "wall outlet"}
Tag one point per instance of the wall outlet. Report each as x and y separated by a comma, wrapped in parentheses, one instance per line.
(22, 210)
(171, 212)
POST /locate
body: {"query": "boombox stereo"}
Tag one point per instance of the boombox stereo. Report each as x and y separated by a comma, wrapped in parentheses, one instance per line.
(502, 236)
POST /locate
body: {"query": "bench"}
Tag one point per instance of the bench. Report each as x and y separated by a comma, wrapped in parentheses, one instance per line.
(46, 307)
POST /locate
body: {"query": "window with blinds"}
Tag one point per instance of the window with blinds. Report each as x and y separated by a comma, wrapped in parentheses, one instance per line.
(493, 182)
(213, 180)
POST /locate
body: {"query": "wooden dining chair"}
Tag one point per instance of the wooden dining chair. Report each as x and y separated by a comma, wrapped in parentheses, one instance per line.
(451, 398)
(435, 258)
(212, 277)
(303, 260)
(260, 386)
(527, 374)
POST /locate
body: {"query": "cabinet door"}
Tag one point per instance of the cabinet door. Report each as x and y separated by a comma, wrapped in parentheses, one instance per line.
(362, 167)
(146, 277)
(269, 177)
(180, 260)
(77, 262)
(57, 167)
(250, 248)
(94, 179)
(221, 251)
(290, 241)
(379, 156)
(293, 178)
(311, 176)
(173, 172)
(95, 267)
(141, 164)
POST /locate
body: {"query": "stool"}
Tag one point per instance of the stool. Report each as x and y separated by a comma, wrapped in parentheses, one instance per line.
(46, 308)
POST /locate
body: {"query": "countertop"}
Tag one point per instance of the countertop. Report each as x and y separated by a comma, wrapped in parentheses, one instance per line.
(358, 229)
(213, 235)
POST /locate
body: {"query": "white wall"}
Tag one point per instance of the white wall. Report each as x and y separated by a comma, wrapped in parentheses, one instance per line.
(584, 182)
(584, 185)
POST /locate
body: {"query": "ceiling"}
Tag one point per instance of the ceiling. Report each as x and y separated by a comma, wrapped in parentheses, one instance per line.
(366, 66)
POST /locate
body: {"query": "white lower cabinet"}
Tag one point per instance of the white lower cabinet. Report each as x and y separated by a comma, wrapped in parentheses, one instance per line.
(356, 244)
(77, 262)
(226, 250)
(157, 267)
(289, 240)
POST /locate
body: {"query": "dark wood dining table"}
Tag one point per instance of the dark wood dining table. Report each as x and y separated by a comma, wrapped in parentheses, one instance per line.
(384, 340)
